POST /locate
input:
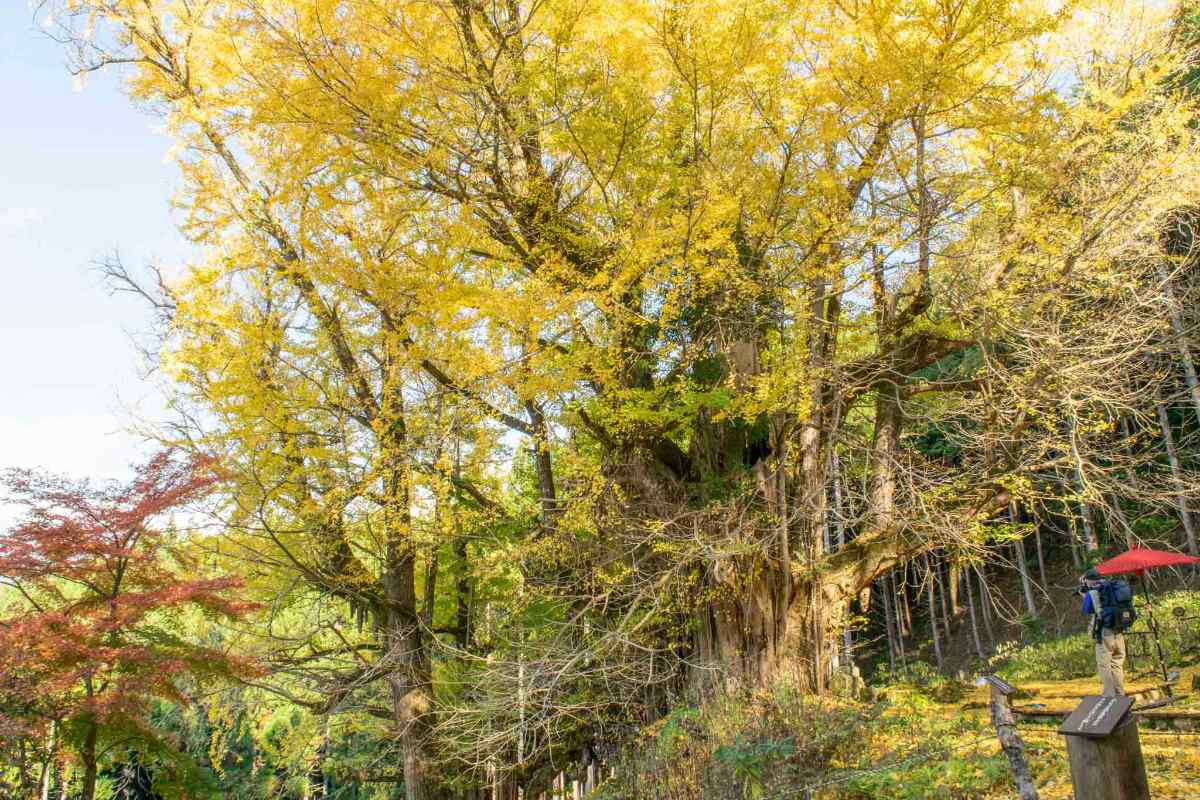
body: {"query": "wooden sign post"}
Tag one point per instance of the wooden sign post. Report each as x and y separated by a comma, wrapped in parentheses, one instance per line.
(1010, 740)
(1104, 750)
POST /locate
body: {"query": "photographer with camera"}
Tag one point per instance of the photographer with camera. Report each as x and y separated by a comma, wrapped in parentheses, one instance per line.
(1110, 606)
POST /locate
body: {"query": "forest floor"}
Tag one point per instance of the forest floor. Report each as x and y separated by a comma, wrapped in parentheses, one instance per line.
(1052, 673)
(1170, 748)
(919, 733)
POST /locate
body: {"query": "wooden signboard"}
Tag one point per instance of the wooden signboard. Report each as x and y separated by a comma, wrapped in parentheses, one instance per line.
(1097, 716)
(999, 684)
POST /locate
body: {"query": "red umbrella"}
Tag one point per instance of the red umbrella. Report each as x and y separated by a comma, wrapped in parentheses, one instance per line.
(1138, 560)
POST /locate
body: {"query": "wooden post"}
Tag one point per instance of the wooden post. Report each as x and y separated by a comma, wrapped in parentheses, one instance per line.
(1109, 767)
(1010, 740)
(1104, 751)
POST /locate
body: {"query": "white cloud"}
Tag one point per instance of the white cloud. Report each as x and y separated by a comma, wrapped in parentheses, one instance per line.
(14, 220)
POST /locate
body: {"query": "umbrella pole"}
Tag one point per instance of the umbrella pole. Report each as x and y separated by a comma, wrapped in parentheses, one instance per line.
(1162, 662)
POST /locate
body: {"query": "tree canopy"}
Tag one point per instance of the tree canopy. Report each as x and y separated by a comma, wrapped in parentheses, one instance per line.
(562, 356)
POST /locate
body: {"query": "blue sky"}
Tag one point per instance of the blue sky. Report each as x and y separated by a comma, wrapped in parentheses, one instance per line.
(82, 173)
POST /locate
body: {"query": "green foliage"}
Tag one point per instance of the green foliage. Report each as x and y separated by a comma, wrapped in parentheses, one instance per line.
(783, 743)
(1054, 659)
(959, 776)
(1073, 656)
(677, 728)
(923, 753)
(922, 678)
(748, 760)
(1155, 527)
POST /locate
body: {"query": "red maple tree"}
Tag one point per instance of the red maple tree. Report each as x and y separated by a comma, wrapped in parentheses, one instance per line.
(98, 584)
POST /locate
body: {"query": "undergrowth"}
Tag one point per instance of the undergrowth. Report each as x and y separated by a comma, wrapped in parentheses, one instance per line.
(781, 743)
(1073, 656)
(921, 734)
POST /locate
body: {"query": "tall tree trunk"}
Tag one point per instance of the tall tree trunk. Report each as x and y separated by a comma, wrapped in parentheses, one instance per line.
(87, 756)
(933, 620)
(899, 627)
(954, 579)
(840, 528)
(974, 622)
(542, 460)
(1022, 566)
(940, 576)
(48, 768)
(318, 779)
(1037, 539)
(410, 683)
(23, 768)
(985, 604)
(1185, 516)
(409, 680)
(462, 583)
(1118, 515)
(1180, 336)
(1090, 542)
(889, 622)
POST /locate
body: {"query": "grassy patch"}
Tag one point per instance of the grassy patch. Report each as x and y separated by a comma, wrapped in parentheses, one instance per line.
(1072, 657)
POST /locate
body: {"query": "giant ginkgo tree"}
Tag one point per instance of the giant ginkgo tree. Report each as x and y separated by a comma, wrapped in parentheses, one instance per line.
(662, 261)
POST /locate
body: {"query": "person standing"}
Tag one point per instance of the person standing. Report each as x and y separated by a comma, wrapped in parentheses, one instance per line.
(1110, 640)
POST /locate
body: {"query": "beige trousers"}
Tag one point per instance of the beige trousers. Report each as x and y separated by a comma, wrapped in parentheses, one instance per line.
(1110, 662)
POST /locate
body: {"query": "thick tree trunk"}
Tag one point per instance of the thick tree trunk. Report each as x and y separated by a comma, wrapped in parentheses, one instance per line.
(409, 681)
(739, 643)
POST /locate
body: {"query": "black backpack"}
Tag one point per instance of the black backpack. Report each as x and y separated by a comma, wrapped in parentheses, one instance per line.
(1116, 605)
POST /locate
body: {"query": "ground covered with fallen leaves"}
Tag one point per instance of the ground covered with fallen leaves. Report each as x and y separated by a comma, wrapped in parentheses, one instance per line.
(918, 733)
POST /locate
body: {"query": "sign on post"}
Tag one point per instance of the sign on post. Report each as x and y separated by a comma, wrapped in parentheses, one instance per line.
(1104, 751)
(1097, 716)
(999, 684)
